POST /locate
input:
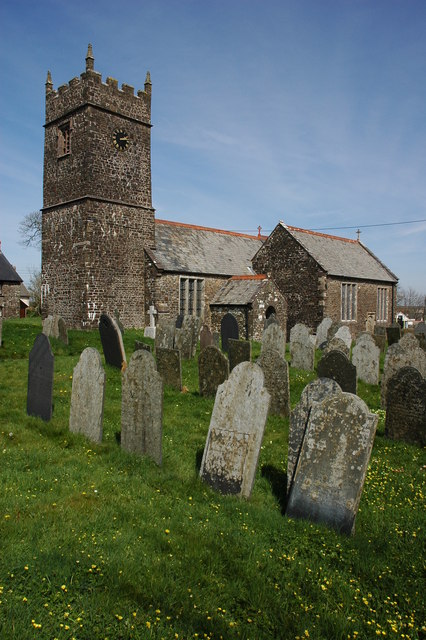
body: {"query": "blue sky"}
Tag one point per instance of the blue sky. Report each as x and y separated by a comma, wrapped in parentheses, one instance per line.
(306, 111)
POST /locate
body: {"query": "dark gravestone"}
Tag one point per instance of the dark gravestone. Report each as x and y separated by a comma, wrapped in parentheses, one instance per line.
(213, 370)
(206, 337)
(336, 365)
(393, 333)
(228, 329)
(179, 321)
(380, 337)
(112, 341)
(142, 345)
(406, 407)
(62, 331)
(238, 351)
(169, 367)
(40, 379)
(333, 461)
(420, 333)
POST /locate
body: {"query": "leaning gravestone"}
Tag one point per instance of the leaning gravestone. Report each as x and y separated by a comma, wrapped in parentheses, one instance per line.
(87, 397)
(213, 370)
(206, 337)
(316, 391)
(406, 407)
(322, 331)
(112, 341)
(393, 333)
(62, 330)
(40, 379)
(344, 334)
(405, 353)
(333, 462)
(275, 371)
(228, 329)
(142, 407)
(302, 348)
(236, 431)
(238, 351)
(273, 338)
(366, 358)
(336, 365)
(164, 335)
(169, 367)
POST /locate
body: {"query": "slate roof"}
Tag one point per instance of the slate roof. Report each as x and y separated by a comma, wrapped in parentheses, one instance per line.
(186, 248)
(342, 256)
(7, 272)
(239, 291)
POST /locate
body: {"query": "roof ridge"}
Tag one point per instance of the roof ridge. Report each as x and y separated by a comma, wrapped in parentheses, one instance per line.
(201, 228)
(318, 233)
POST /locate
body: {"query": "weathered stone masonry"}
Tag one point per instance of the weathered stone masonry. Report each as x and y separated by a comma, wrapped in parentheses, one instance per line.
(97, 200)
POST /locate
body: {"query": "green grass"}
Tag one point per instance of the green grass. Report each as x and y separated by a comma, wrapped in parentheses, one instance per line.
(96, 543)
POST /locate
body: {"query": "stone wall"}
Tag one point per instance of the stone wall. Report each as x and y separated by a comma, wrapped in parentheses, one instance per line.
(9, 300)
(241, 313)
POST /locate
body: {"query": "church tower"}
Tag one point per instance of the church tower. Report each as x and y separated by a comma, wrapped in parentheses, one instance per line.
(97, 214)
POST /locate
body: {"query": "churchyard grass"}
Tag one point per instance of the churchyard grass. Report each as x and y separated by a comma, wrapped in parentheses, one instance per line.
(97, 543)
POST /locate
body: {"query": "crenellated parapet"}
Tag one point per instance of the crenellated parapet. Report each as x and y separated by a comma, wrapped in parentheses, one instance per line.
(89, 89)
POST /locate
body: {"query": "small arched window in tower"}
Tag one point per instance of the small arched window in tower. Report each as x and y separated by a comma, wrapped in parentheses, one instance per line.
(64, 139)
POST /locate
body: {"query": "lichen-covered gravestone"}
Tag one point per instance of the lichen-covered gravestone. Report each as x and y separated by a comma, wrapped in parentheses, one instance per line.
(228, 329)
(405, 353)
(164, 335)
(40, 379)
(393, 333)
(366, 358)
(344, 334)
(273, 338)
(213, 370)
(275, 371)
(206, 337)
(169, 367)
(238, 351)
(336, 365)
(302, 348)
(333, 462)
(236, 431)
(336, 344)
(406, 407)
(322, 331)
(315, 391)
(142, 407)
(87, 397)
(112, 341)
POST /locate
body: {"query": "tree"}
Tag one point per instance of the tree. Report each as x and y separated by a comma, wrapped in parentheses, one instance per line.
(30, 230)
(412, 301)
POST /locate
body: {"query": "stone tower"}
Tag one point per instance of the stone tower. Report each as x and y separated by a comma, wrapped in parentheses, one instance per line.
(97, 212)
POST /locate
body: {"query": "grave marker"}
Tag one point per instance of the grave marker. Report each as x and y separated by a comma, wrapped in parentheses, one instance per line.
(273, 338)
(87, 397)
(275, 371)
(238, 351)
(405, 353)
(336, 365)
(169, 367)
(406, 407)
(40, 379)
(213, 370)
(228, 329)
(366, 358)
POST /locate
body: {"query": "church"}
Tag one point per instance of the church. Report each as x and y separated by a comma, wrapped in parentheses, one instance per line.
(104, 251)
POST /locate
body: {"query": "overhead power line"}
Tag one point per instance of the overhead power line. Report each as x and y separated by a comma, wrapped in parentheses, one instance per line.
(356, 226)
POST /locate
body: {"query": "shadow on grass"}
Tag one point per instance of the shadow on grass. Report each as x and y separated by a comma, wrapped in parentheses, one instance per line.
(278, 481)
(198, 458)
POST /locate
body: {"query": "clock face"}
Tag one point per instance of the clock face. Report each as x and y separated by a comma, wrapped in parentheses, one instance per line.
(120, 139)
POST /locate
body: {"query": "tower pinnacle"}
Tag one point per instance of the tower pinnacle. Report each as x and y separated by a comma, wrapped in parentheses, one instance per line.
(90, 60)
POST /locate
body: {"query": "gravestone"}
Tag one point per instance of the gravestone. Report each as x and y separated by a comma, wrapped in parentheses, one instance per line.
(315, 391)
(370, 322)
(302, 348)
(272, 319)
(405, 353)
(142, 345)
(344, 334)
(393, 333)
(406, 407)
(87, 397)
(322, 331)
(275, 371)
(165, 335)
(112, 341)
(62, 330)
(213, 370)
(420, 329)
(236, 431)
(228, 329)
(47, 326)
(184, 341)
(179, 321)
(333, 462)
(366, 358)
(336, 365)
(206, 337)
(118, 321)
(40, 379)
(336, 344)
(273, 338)
(169, 367)
(149, 332)
(1, 330)
(380, 337)
(238, 351)
(142, 407)
(216, 339)
(191, 331)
